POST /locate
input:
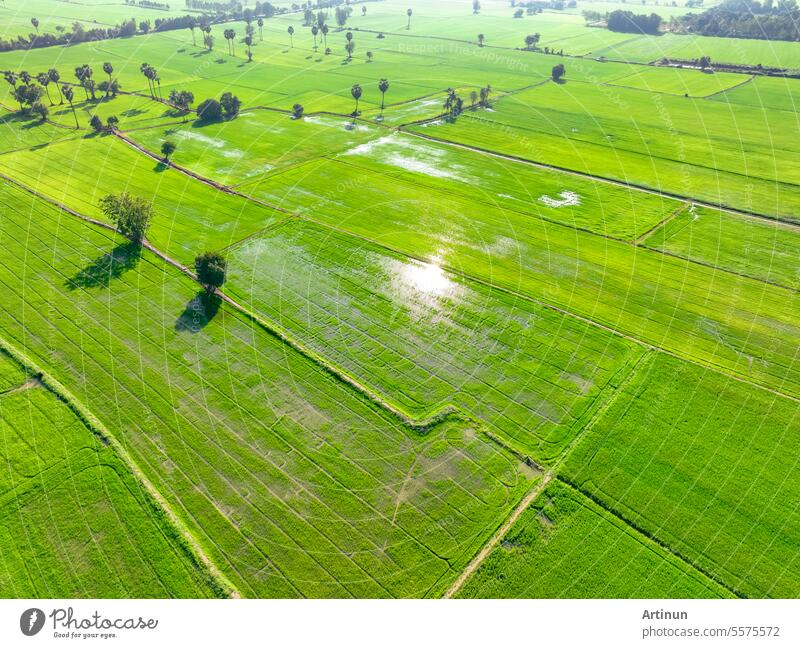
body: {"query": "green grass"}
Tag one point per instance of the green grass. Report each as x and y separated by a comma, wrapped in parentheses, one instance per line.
(566, 546)
(699, 313)
(766, 93)
(644, 49)
(291, 481)
(693, 83)
(12, 375)
(736, 157)
(425, 340)
(75, 523)
(256, 144)
(705, 464)
(189, 216)
(758, 248)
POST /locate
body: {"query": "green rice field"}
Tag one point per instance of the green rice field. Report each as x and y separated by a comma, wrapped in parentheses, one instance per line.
(417, 320)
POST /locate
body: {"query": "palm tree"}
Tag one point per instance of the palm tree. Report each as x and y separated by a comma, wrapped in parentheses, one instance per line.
(474, 98)
(248, 40)
(80, 74)
(291, 36)
(25, 77)
(324, 29)
(481, 38)
(66, 92)
(356, 92)
(363, 10)
(108, 69)
(350, 46)
(55, 77)
(12, 78)
(35, 23)
(314, 32)
(260, 23)
(383, 86)
(44, 80)
(113, 122)
(145, 68)
(167, 149)
(408, 13)
(192, 27)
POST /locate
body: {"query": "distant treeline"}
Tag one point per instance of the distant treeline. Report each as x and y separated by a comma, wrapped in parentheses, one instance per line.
(629, 22)
(80, 34)
(745, 19)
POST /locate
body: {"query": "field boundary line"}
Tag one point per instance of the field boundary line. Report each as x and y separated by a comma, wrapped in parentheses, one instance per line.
(540, 486)
(733, 87)
(619, 183)
(220, 585)
(688, 561)
(667, 219)
(453, 271)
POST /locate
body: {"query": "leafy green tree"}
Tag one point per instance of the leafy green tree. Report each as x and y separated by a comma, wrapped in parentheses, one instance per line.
(356, 92)
(314, 32)
(44, 81)
(260, 24)
(131, 214)
(211, 268)
(324, 29)
(112, 122)
(349, 47)
(109, 70)
(531, 40)
(67, 93)
(297, 111)
(96, 123)
(167, 149)
(248, 40)
(476, 6)
(408, 13)
(209, 110)
(291, 36)
(383, 86)
(55, 77)
(40, 110)
(230, 104)
(558, 71)
(35, 23)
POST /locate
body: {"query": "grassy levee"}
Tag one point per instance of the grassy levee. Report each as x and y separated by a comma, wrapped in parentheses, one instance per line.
(566, 546)
(290, 480)
(733, 156)
(699, 313)
(763, 249)
(424, 339)
(190, 216)
(705, 465)
(75, 521)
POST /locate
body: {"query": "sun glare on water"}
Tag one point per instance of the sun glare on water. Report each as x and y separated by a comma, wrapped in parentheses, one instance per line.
(428, 278)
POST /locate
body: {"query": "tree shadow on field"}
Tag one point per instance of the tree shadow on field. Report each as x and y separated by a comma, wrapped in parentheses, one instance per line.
(103, 270)
(200, 310)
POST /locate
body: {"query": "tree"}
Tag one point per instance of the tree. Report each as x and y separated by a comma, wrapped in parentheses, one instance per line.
(182, 100)
(192, 27)
(531, 40)
(35, 23)
(260, 24)
(383, 86)
(108, 69)
(356, 92)
(209, 110)
(484, 95)
(704, 62)
(167, 149)
(363, 10)
(150, 74)
(44, 81)
(349, 47)
(473, 96)
(27, 95)
(558, 71)
(84, 75)
(211, 268)
(297, 111)
(248, 40)
(96, 123)
(481, 38)
(314, 32)
(476, 6)
(408, 13)
(131, 214)
(230, 104)
(55, 77)
(112, 122)
(519, 13)
(41, 110)
(324, 29)
(369, 57)
(291, 36)
(66, 92)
